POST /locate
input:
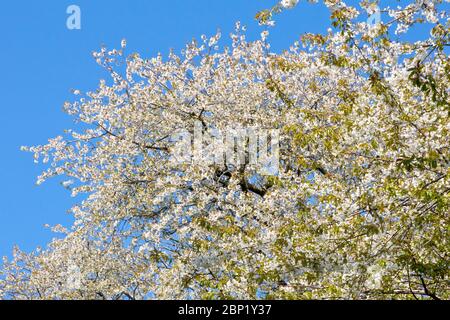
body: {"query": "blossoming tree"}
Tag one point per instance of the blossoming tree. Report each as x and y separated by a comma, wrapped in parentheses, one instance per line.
(357, 210)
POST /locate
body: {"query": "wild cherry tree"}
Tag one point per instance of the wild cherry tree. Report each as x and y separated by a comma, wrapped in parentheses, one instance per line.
(358, 208)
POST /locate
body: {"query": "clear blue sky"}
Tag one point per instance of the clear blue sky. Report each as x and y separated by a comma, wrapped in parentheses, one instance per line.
(42, 61)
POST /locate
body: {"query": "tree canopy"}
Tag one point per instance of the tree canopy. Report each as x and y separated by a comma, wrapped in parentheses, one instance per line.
(359, 208)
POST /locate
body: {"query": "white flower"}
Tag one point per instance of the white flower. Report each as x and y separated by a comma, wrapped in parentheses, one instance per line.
(288, 4)
(264, 35)
(67, 184)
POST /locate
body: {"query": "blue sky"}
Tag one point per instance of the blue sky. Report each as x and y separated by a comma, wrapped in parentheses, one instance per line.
(42, 61)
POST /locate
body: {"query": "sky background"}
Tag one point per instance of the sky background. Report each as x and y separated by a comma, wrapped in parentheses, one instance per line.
(42, 61)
